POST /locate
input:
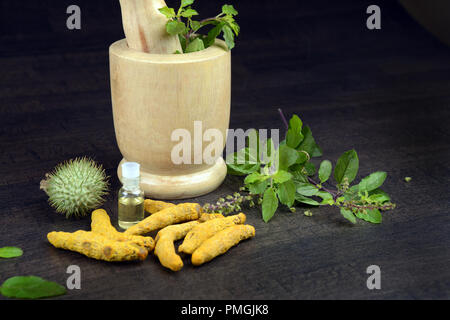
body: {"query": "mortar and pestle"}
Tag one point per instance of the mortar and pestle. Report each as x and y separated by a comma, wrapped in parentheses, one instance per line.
(155, 92)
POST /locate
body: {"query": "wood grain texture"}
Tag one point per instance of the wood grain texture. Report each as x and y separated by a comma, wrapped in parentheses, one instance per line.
(384, 93)
(145, 27)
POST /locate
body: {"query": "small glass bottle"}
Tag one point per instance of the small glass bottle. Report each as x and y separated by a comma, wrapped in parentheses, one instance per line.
(131, 197)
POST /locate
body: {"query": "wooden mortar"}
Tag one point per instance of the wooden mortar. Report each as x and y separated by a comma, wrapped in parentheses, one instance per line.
(155, 94)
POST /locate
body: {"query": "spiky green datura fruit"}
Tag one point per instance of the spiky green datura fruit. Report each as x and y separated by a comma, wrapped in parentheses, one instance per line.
(76, 187)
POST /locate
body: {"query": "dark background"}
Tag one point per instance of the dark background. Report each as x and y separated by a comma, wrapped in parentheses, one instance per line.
(383, 92)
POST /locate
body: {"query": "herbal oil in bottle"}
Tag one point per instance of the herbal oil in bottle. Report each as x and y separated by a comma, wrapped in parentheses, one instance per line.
(131, 197)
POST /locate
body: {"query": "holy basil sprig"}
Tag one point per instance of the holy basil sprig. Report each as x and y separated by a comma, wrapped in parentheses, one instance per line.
(286, 176)
(181, 23)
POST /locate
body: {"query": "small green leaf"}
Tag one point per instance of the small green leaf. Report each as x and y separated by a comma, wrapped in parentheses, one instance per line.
(175, 27)
(302, 158)
(185, 3)
(188, 13)
(372, 181)
(182, 42)
(286, 193)
(346, 167)
(269, 204)
(10, 252)
(310, 169)
(255, 177)
(298, 177)
(287, 157)
(236, 28)
(195, 25)
(228, 35)
(348, 215)
(229, 10)
(258, 187)
(379, 196)
(243, 162)
(195, 45)
(281, 176)
(309, 144)
(30, 287)
(325, 170)
(213, 34)
(294, 135)
(327, 198)
(307, 189)
(305, 200)
(168, 12)
(372, 216)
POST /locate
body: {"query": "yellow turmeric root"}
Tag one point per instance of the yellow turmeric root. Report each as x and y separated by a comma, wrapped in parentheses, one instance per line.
(179, 213)
(101, 224)
(165, 248)
(96, 246)
(210, 216)
(206, 230)
(221, 243)
(153, 206)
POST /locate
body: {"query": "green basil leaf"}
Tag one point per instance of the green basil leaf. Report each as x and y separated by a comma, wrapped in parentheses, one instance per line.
(168, 12)
(281, 176)
(175, 27)
(188, 13)
(185, 3)
(372, 181)
(195, 45)
(287, 157)
(372, 216)
(236, 28)
(228, 35)
(326, 197)
(351, 193)
(243, 162)
(269, 204)
(302, 158)
(182, 42)
(255, 177)
(30, 287)
(310, 169)
(286, 193)
(348, 215)
(10, 252)
(346, 167)
(242, 169)
(305, 200)
(258, 187)
(298, 177)
(195, 25)
(325, 171)
(294, 134)
(309, 144)
(307, 189)
(213, 34)
(379, 196)
(229, 10)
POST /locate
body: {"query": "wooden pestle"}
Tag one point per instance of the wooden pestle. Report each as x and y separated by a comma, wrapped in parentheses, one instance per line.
(145, 27)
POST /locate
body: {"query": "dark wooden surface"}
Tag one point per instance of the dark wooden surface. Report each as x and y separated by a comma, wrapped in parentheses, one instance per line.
(385, 93)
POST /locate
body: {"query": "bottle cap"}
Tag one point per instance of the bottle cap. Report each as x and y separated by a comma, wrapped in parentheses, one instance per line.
(130, 170)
